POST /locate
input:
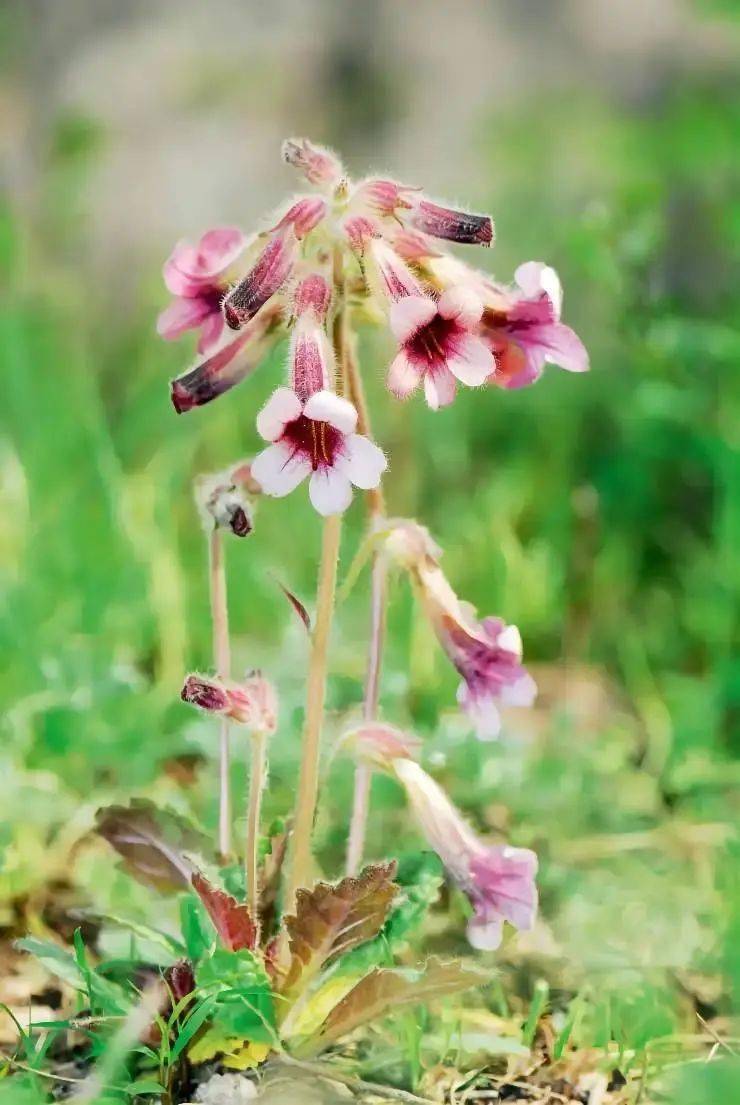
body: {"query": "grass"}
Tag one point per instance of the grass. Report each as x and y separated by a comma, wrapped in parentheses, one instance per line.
(602, 515)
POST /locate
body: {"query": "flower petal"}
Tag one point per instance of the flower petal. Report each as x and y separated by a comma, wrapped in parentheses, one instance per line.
(363, 462)
(462, 304)
(563, 347)
(181, 315)
(211, 331)
(520, 693)
(278, 470)
(219, 248)
(439, 388)
(403, 376)
(535, 278)
(325, 406)
(330, 491)
(472, 361)
(484, 935)
(409, 314)
(509, 638)
(282, 407)
(482, 711)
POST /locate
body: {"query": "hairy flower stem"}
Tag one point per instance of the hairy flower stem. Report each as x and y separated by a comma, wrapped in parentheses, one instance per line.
(378, 596)
(222, 662)
(257, 779)
(308, 779)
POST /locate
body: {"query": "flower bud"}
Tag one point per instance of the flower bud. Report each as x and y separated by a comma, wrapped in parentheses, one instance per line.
(318, 165)
(251, 703)
(223, 500)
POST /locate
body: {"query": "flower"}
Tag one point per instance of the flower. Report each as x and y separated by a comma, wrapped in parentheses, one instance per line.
(197, 277)
(497, 879)
(224, 499)
(522, 328)
(318, 165)
(275, 264)
(438, 345)
(315, 436)
(486, 653)
(410, 207)
(252, 703)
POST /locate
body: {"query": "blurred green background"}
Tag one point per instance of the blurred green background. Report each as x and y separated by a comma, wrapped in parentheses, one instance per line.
(601, 514)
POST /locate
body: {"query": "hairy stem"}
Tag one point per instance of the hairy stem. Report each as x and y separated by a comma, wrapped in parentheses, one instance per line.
(257, 778)
(222, 662)
(308, 779)
(315, 696)
(378, 596)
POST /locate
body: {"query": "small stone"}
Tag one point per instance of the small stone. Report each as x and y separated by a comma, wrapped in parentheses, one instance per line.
(226, 1089)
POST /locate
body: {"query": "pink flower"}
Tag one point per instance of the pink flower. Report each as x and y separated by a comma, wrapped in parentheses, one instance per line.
(315, 437)
(439, 345)
(197, 277)
(524, 331)
(412, 209)
(498, 880)
(318, 165)
(228, 364)
(251, 703)
(486, 653)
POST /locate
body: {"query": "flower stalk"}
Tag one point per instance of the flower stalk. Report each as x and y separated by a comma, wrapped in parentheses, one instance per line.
(257, 780)
(222, 663)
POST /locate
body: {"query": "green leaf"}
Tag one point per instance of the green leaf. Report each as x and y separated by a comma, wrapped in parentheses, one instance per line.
(146, 932)
(104, 995)
(144, 1086)
(195, 1021)
(387, 989)
(245, 1004)
(196, 931)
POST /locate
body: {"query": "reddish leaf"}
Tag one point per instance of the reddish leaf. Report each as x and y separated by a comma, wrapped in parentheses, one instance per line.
(329, 920)
(386, 989)
(297, 605)
(152, 842)
(231, 919)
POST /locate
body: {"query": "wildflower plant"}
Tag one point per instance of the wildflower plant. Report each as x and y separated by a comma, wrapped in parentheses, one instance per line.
(270, 959)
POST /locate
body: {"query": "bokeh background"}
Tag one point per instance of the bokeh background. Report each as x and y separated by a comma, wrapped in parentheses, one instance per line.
(601, 514)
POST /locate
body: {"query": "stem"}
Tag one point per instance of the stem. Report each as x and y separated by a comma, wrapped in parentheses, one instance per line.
(378, 596)
(222, 662)
(315, 696)
(254, 806)
(308, 780)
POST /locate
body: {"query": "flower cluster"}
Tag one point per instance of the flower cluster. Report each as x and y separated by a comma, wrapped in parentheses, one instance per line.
(381, 241)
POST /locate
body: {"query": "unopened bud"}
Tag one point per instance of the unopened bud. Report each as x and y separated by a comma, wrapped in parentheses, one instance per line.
(318, 165)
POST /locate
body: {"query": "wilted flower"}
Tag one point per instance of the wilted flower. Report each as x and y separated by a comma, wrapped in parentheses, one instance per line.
(198, 278)
(486, 653)
(225, 499)
(523, 329)
(315, 437)
(498, 880)
(252, 703)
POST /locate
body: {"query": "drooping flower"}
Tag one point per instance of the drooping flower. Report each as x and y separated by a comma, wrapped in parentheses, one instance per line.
(198, 277)
(522, 328)
(486, 653)
(315, 437)
(225, 500)
(275, 264)
(498, 880)
(252, 702)
(439, 345)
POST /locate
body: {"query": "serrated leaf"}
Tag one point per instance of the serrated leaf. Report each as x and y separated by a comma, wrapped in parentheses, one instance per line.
(420, 877)
(386, 989)
(331, 919)
(231, 919)
(153, 843)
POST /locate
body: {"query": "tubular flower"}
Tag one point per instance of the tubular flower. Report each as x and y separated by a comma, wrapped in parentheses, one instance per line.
(252, 703)
(522, 328)
(198, 277)
(498, 880)
(486, 653)
(315, 437)
(410, 207)
(318, 165)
